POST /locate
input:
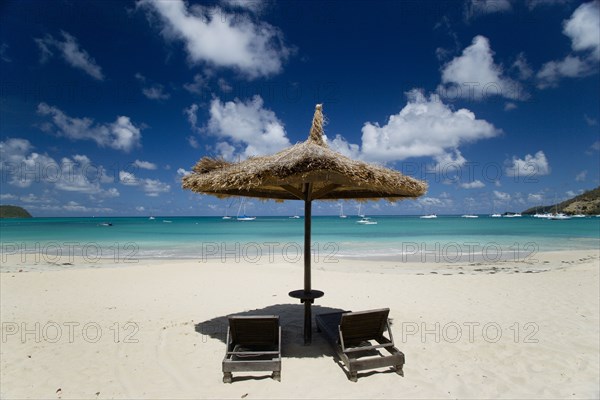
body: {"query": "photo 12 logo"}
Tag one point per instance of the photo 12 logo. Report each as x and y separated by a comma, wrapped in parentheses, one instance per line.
(69, 332)
(54, 252)
(253, 252)
(453, 332)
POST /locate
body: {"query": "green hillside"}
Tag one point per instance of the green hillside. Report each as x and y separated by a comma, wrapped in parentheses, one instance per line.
(13, 212)
(587, 203)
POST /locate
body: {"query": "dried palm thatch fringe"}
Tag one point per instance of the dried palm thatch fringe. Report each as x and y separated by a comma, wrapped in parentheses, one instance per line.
(281, 176)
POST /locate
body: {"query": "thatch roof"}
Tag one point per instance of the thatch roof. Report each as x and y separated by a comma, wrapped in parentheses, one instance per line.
(283, 175)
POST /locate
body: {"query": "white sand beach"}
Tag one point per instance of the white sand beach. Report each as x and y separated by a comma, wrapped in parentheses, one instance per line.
(156, 329)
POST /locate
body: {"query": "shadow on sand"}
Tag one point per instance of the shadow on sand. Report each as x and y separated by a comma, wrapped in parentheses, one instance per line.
(291, 318)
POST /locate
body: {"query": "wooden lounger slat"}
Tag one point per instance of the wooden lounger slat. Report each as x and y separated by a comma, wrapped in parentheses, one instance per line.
(349, 331)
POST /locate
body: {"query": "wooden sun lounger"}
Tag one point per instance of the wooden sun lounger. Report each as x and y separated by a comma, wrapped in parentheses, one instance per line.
(352, 334)
(253, 344)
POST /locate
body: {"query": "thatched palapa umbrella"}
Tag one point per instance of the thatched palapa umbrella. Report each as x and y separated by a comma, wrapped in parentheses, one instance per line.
(307, 171)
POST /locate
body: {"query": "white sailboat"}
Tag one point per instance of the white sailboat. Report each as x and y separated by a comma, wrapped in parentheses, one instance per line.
(428, 216)
(469, 214)
(494, 213)
(226, 216)
(557, 215)
(342, 215)
(295, 216)
(359, 213)
(542, 215)
(243, 217)
(366, 221)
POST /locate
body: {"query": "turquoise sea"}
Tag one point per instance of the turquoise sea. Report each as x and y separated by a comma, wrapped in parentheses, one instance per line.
(402, 238)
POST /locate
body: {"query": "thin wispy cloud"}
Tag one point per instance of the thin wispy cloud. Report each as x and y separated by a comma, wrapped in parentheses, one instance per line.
(580, 177)
(71, 52)
(4, 53)
(532, 4)
(152, 91)
(478, 8)
(590, 121)
(255, 6)
(198, 86)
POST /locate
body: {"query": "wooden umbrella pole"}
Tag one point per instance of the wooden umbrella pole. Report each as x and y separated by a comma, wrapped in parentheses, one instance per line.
(307, 248)
(307, 254)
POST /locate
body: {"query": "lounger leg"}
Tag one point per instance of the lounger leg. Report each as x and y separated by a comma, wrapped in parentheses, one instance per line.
(277, 376)
(399, 370)
(354, 376)
(227, 377)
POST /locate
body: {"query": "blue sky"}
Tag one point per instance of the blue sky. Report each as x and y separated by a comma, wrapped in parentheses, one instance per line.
(105, 105)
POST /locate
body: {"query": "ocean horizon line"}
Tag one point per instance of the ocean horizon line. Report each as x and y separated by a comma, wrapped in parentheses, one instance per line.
(264, 215)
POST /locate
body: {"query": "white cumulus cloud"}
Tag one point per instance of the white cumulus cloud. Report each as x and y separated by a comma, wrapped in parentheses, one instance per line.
(22, 167)
(501, 196)
(151, 187)
(530, 166)
(154, 187)
(583, 28)
(127, 178)
(475, 75)
(120, 135)
(448, 164)
(246, 128)
(183, 172)
(215, 37)
(424, 127)
(535, 197)
(476, 184)
(144, 164)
